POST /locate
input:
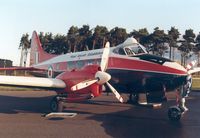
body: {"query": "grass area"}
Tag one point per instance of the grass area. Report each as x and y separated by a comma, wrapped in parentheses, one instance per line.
(12, 88)
(196, 84)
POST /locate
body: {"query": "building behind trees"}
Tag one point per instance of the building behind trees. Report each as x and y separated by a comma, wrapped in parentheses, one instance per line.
(5, 63)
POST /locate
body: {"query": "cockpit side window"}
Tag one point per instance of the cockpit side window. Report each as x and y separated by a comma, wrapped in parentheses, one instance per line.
(137, 49)
(121, 51)
(128, 51)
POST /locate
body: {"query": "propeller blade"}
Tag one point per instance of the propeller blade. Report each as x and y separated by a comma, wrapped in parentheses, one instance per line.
(83, 84)
(191, 65)
(117, 95)
(105, 56)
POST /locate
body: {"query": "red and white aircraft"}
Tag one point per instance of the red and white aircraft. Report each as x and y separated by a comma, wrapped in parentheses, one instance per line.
(126, 68)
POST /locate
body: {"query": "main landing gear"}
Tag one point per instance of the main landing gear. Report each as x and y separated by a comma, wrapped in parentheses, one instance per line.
(133, 98)
(56, 104)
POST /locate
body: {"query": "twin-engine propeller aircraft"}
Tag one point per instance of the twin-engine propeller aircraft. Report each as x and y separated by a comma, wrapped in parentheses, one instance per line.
(126, 68)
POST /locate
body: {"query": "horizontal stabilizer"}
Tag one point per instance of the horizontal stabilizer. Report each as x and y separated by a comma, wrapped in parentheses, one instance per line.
(31, 82)
(194, 70)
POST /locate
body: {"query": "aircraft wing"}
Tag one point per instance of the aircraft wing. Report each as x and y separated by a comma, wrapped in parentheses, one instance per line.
(31, 82)
(20, 68)
(195, 70)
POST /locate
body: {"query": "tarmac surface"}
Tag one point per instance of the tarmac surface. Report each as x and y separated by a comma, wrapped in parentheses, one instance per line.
(21, 116)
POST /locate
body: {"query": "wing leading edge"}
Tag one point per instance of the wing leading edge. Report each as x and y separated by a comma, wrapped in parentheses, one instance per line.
(31, 82)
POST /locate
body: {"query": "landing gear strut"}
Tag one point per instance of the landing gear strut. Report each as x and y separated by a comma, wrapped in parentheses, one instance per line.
(56, 104)
(133, 98)
(175, 112)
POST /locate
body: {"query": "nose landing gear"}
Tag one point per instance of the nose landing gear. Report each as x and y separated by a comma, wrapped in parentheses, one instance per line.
(176, 112)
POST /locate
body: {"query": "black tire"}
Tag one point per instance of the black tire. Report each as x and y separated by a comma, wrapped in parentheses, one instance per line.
(133, 98)
(174, 113)
(54, 104)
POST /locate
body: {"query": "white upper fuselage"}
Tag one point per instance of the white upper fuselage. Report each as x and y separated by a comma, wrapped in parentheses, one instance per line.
(126, 52)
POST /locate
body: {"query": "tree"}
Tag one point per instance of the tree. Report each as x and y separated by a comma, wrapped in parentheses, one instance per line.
(187, 45)
(25, 44)
(173, 35)
(141, 36)
(84, 38)
(197, 48)
(99, 37)
(117, 36)
(72, 37)
(59, 44)
(158, 41)
(47, 41)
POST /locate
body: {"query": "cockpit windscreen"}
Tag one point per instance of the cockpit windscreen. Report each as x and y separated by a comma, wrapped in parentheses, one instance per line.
(130, 50)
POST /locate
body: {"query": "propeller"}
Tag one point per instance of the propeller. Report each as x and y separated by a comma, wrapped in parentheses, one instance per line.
(191, 65)
(117, 95)
(191, 69)
(83, 84)
(105, 57)
(101, 77)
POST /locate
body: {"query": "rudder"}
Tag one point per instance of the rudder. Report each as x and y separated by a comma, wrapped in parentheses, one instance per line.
(37, 54)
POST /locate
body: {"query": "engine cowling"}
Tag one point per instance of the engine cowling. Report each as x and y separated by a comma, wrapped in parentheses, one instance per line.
(75, 76)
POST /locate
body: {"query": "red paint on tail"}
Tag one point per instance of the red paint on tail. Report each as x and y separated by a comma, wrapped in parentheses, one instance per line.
(37, 53)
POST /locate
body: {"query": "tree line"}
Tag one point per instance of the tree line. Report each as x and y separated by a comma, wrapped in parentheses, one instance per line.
(85, 38)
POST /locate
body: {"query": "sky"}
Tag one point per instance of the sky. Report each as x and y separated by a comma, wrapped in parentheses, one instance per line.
(18, 17)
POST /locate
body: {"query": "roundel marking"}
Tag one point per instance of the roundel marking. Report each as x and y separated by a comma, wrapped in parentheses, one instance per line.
(50, 72)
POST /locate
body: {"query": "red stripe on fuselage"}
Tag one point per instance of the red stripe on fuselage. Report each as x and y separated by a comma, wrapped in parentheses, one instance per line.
(141, 65)
(126, 63)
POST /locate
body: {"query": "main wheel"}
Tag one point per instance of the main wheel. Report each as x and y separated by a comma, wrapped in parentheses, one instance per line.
(133, 98)
(174, 113)
(54, 104)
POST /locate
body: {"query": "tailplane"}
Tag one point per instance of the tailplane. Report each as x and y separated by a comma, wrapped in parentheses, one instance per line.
(37, 54)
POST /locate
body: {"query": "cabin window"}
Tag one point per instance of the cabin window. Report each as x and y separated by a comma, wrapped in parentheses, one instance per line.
(71, 65)
(57, 66)
(98, 61)
(90, 62)
(80, 64)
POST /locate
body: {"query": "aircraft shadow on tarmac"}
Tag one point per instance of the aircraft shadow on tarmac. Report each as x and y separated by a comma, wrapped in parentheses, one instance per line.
(13, 105)
(143, 122)
(132, 122)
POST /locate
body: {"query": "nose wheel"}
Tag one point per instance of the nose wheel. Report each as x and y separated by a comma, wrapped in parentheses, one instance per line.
(175, 113)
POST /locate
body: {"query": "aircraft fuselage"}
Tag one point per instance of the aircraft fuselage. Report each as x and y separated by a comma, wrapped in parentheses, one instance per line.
(140, 73)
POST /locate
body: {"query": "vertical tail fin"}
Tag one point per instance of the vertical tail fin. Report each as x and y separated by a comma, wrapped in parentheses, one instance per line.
(37, 54)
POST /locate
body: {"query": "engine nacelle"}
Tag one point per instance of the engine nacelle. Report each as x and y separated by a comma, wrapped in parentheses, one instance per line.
(74, 77)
